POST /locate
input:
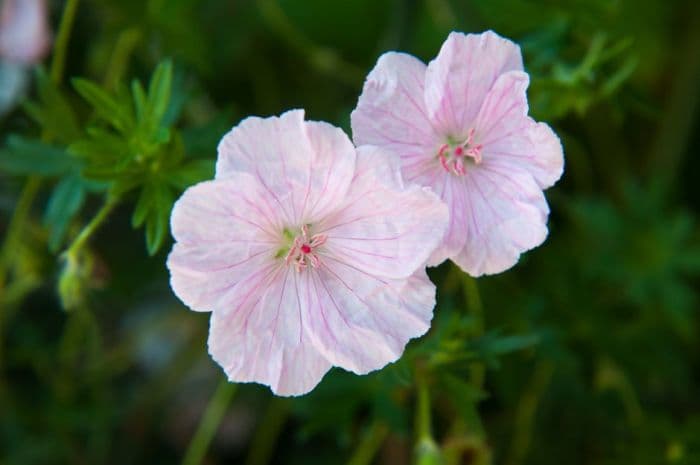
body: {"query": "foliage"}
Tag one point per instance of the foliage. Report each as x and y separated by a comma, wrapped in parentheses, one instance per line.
(584, 353)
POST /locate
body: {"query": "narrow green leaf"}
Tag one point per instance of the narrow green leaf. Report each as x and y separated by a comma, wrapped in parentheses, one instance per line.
(104, 105)
(143, 206)
(140, 100)
(160, 201)
(52, 111)
(25, 156)
(65, 202)
(159, 92)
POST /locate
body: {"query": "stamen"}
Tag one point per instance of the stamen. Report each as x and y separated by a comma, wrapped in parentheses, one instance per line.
(453, 156)
(304, 249)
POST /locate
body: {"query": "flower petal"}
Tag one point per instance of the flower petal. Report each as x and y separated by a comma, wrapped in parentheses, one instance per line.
(453, 192)
(506, 215)
(511, 138)
(223, 232)
(382, 229)
(24, 30)
(391, 110)
(458, 79)
(261, 336)
(361, 322)
(304, 167)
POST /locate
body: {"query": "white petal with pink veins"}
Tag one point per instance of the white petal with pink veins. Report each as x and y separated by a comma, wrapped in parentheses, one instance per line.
(382, 229)
(506, 215)
(453, 192)
(391, 110)
(303, 166)
(223, 231)
(308, 252)
(459, 78)
(513, 139)
(261, 337)
(361, 322)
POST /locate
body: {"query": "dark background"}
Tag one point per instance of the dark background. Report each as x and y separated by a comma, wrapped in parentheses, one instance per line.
(590, 345)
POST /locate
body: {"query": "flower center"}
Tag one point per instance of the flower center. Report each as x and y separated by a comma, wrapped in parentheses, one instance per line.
(453, 156)
(304, 248)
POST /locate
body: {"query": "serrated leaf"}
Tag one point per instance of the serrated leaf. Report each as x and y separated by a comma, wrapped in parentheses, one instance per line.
(65, 202)
(104, 104)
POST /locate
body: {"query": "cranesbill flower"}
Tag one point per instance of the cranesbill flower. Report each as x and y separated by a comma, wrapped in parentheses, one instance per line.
(308, 252)
(24, 31)
(460, 125)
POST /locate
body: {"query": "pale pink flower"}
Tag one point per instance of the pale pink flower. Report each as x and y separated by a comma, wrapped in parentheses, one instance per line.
(460, 126)
(24, 31)
(309, 253)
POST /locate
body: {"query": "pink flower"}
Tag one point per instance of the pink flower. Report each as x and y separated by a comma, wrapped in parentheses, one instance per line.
(308, 252)
(24, 31)
(460, 126)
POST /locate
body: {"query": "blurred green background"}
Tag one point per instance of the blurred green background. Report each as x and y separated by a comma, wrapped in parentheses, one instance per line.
(587, 352)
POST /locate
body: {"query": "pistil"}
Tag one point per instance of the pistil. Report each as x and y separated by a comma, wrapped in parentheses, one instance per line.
(304, 249)
(452, 157)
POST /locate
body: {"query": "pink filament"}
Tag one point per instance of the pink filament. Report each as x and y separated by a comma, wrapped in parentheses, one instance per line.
(303, 249)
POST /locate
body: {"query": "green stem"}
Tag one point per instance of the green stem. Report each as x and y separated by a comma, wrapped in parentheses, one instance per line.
(525, 413)
(423, 415)
(426, 450)
(676, 128)
(476, 309)
(58, 63)
(263, 443)
(323, 59)
(31, 187)
(371, 441)
(16, 225)
(209, 424)
(79, 242)
(126, 43)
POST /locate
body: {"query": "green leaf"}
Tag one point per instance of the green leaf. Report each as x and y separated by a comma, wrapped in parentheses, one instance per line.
(52, 111)
(142, 208)
(65, 202)
(493, 345)
(159, 93)
(25, 157)
(464, 398)
(104, 104)
(140, 102)
(153, 208)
